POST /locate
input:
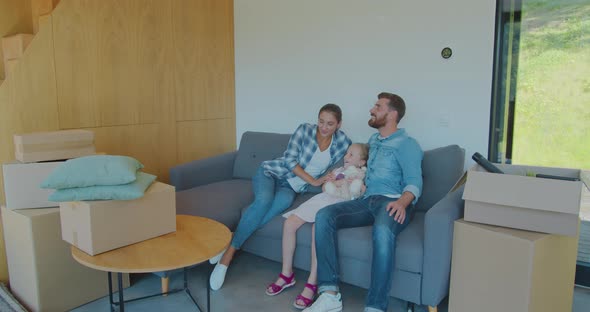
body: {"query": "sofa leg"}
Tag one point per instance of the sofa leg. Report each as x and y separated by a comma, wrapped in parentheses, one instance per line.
(165, 282)
(432, 309)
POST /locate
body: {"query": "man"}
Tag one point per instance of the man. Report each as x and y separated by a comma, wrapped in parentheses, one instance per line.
(393, 185)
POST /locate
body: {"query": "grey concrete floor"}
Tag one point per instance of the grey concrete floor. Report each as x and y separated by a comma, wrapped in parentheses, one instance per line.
(244, 291)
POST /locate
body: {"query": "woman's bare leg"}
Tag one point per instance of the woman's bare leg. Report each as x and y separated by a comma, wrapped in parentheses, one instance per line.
(290, 227)
(228, 255)
(313, 271)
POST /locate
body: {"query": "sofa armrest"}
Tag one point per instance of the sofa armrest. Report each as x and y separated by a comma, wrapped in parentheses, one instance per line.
(203, 171)
(438, 246)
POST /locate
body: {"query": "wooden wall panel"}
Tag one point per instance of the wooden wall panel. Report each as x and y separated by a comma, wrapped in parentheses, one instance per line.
(28, 100)
(75, 29)
(131, 42)
(138, 141)
(205, 138)
(123, 53)
(204, 59)
(40, 8)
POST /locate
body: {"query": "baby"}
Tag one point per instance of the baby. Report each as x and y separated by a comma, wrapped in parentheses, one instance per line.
(345, 183)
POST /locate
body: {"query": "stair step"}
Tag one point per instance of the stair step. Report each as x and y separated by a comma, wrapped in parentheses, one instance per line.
(40, 8)
(9, 66)
(14, 46)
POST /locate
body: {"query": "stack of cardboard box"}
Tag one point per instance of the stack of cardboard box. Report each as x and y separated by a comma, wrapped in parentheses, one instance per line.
(42, 273)
(516, 248)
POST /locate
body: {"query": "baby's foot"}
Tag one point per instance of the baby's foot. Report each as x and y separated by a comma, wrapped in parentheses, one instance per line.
(305, 299)
(307, 293)
(282, 283)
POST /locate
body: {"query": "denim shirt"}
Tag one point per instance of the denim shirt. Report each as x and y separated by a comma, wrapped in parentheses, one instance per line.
(394, 166)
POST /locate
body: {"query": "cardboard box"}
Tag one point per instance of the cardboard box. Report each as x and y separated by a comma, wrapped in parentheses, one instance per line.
(99, 226)
(57, 145)
(584, 244)
(501, 269)
(21, 184)
(43, 274)
(3, 263)
(519, 201)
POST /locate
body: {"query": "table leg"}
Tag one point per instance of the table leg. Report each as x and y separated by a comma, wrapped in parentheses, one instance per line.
(111, 291)
(121, 301)
(208, 288)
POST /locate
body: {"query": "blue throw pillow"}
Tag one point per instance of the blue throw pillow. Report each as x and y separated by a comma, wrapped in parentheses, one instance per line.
(128, 191)
(93, 170)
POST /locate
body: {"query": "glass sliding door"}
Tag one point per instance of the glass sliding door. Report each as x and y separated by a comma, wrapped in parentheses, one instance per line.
(541, 95)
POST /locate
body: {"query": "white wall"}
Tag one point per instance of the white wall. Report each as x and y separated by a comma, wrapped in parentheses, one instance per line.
(294, 56)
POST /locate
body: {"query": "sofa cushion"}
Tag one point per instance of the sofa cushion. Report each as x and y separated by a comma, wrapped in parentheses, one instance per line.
(256, 147)
(356, 243)
(217, 201)
(274, 228)
(441, 168)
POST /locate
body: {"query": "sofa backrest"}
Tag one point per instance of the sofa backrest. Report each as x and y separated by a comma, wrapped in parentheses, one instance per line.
(256, 147)
(441, 168)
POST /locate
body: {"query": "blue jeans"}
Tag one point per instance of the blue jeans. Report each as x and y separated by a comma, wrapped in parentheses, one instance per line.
(271, 197)
(356, 213)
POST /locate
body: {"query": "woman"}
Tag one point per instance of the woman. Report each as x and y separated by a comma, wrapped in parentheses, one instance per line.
(312, 149)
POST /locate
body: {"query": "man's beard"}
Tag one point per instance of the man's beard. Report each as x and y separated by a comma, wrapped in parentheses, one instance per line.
(377, 122)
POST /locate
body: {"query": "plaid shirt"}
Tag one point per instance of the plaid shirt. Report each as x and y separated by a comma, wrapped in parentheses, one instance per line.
(302, 145)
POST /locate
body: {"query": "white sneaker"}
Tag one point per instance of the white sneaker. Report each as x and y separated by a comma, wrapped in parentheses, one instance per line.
(217, 257)
(326, 303)
(217, 276)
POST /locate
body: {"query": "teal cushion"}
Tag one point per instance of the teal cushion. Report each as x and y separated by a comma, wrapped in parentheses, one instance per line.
(93, 170)
(128, 191)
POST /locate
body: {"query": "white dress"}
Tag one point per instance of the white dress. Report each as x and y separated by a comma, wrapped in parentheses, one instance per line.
(310, 208)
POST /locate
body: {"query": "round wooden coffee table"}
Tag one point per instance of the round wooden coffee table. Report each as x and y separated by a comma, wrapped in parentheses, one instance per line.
(195, 241)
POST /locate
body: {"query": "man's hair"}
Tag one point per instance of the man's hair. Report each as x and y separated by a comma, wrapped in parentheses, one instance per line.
(395, 102)
(334, 109)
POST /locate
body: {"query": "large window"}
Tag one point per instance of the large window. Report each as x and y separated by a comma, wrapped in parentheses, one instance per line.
(541, 95)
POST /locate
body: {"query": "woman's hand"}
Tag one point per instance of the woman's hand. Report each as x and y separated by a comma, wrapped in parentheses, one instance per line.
(330, 177)
(318, 181)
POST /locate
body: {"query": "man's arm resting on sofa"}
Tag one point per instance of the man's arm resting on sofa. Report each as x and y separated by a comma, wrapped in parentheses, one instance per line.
(438, 246)
(203, 171)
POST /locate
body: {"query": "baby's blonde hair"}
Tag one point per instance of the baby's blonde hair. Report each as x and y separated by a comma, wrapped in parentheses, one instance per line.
(364, 150)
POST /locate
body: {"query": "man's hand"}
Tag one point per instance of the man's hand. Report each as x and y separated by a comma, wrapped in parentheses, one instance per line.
(397, 210)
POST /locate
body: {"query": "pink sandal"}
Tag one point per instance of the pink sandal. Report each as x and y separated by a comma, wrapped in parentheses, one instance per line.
(307, 301)
(276, 289)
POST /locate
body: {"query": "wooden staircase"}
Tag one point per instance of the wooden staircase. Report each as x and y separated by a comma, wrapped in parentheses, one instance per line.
(153, 79)
(14, 45)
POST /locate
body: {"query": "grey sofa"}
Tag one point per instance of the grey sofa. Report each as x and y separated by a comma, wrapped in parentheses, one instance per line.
(220, 188)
